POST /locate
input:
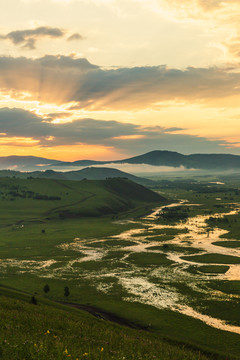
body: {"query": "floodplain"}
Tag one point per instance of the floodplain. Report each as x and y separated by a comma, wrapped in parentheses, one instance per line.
(171, 268)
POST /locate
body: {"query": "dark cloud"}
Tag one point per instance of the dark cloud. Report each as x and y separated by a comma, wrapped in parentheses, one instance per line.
(59, 115)
(74, 37)
(51, 79)
(63, 79)
(65, 63)
(122, 136)
(18, 122)
(28, 38)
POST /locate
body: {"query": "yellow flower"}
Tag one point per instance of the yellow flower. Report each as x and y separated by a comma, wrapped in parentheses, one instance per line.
(101, 349)
(47, 332)
(66, 351)
(85, 354)
(35, 345)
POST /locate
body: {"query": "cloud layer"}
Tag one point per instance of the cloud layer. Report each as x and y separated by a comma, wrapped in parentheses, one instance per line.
(130, 138)
(65, 79)
(28, 38)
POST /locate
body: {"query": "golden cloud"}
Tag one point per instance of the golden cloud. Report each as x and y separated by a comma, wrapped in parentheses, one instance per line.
(65, 80)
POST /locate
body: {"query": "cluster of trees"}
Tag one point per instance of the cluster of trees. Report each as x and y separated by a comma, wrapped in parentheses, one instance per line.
(174, 213)
(46, 290)
(16, 192)
(194, 185)
(224, 219)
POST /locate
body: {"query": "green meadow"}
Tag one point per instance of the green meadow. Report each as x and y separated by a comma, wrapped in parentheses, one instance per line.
(130, 277)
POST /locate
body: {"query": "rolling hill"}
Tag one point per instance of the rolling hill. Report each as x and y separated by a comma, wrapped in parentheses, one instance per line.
(218, 162)
(194, 161)
(89, 173)
(24, 199)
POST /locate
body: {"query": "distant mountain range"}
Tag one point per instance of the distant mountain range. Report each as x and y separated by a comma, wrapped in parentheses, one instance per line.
(89, 173)
(155, 158)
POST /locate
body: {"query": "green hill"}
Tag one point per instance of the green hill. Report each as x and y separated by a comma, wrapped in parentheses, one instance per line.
(55, 332)
(47, 198)
(89, 173)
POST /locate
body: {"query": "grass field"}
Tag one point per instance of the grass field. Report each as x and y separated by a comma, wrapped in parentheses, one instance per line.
(60, 332)
(127, 266)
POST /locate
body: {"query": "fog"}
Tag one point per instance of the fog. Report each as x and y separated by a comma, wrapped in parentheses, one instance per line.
(135, 169)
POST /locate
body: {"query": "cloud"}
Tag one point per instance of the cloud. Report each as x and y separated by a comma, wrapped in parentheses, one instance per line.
(65, 79)
(127, 137)
(201, 8)
(28, 38)
(59, 115)
(233, 46)
(75, 36)
(217, 18)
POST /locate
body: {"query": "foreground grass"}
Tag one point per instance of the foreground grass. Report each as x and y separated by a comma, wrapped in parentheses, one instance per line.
(42, 331)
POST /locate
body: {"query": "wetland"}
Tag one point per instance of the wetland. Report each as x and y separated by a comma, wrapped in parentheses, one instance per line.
(168, 267)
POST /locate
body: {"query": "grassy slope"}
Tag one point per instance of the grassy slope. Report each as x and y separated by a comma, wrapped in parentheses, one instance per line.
(82, 198)
(58, 332)
(91, 173)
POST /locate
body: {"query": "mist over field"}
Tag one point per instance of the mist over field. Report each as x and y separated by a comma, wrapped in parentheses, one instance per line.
(138, 169)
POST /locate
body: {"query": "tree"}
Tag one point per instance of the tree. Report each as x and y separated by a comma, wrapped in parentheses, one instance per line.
(46, 289)
(33, 300)
(66, 291)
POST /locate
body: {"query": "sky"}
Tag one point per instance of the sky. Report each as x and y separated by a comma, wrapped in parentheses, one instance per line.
(110, 79)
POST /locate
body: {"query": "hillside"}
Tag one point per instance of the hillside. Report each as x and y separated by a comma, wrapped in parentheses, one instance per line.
(63, 198)
(157, 158)
(25, 162)
(195, 161)
(89, 173)
(59, 332)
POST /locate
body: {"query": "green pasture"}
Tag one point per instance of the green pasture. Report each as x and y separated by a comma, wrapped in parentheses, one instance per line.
(64, 233)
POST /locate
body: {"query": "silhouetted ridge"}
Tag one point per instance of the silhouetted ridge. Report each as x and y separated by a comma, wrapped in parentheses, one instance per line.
(154, 158)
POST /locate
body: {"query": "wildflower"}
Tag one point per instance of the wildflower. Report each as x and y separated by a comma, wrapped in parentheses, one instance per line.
(85, 354)
(35, 345)
(47, 332)
(102, 349)
(66, 351)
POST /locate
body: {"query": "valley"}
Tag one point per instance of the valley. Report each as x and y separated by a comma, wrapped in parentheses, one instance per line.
(163, 265)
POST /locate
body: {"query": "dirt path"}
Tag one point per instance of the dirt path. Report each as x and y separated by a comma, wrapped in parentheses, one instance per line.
(104, 315)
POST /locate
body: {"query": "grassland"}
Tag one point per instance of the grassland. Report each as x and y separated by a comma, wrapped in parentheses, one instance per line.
(59, 332)
(52, 241)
